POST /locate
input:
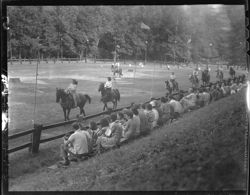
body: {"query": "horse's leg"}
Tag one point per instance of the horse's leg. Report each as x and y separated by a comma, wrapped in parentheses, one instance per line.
(68, 114)
(83, 111)
(104, 107)
(64, 112)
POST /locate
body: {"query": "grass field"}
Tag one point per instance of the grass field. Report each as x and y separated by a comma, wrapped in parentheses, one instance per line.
(203, 150)
(149, 81)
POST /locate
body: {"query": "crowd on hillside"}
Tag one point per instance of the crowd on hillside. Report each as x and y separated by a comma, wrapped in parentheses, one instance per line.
(128, 124)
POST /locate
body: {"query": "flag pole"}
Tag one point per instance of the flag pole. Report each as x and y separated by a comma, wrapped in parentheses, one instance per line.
(34, 112)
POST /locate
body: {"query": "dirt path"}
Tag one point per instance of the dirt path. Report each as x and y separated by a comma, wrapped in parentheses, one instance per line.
(204, 150)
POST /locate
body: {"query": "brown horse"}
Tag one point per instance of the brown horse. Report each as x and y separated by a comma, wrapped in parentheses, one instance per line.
(67, 102)
(114, 97)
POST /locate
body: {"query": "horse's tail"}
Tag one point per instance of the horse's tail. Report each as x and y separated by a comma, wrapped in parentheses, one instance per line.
(88, 97)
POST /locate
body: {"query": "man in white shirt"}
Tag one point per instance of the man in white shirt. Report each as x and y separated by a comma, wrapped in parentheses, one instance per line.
(76, 145)
(156, 114)
(108, 87)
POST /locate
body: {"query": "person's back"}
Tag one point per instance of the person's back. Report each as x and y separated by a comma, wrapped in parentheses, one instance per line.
(79, 141)
(144, 125)
(156, 117)
(137, 122)
(166, 111)
(150, 117)
(116, 130)
(130, 129)
(177, 106)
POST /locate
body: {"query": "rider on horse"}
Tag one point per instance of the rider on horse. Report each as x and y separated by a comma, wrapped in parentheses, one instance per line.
(196, 74)
(72, 90)
(108, 87)
(172, 79)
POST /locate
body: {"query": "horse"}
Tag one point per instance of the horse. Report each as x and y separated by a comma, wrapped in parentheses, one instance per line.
(195, 81)
(205, 77)
(219, 75)
(115, 69)
(232, 72)
(115, 96)
(171, 87)
(67, 102)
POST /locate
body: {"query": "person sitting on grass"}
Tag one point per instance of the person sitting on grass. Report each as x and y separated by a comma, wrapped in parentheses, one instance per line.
(121, 119)
(137, 120)
(150, 115)
(113, 139)
(130, 129)
(144, 125)
(176, 105)
(76, 145)
(156, 114)
(167, 110)
(93, 129)
(104, 125)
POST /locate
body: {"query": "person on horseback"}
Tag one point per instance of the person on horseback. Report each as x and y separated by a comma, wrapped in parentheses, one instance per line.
(196, 74)
(172, 79)
(108, 87)
(72, 90)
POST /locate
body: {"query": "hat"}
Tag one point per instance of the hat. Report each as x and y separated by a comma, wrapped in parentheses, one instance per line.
(153, 103)
(74, 81)
(125, 111)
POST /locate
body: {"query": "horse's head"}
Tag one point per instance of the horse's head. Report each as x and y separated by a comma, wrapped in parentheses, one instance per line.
(59, 94)
(101, 87)
(167, 83)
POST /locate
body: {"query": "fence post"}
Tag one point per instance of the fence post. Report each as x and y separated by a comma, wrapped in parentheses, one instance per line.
(35, 138)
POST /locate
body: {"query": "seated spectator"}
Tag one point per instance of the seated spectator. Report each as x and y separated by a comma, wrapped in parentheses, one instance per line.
(121, 118)
(93, 129)
(105, 142)
(144, 125)
(167, 110)
(176, 106)
(130, 128)
(137, 121)
(156, 114)
(104, 125)
(76, 145)
(150, 115)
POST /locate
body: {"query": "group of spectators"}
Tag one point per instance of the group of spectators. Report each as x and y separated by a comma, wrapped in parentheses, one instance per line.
(128, 124)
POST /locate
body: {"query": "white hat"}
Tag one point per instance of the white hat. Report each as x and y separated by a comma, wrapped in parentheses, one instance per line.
(153, 103)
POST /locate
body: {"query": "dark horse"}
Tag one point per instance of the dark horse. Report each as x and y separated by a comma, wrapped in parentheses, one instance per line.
(205, 77)
(67, 102)
(232, 72)
(115, 96)
(171, 87)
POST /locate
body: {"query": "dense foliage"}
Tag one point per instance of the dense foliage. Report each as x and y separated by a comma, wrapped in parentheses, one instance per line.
(181, 33)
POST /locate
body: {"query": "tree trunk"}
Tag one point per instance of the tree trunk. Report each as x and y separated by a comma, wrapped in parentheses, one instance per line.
(20, 57)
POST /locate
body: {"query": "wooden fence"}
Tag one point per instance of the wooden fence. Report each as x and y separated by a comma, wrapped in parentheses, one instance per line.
(36, 132)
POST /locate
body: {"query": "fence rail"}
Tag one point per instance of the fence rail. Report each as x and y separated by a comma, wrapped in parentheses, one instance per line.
(36, 132)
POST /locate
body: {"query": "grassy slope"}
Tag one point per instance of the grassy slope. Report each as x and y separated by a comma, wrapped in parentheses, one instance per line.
(204, 150)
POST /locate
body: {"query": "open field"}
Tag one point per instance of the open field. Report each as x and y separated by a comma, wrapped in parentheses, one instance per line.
(149, 81)
(203, 150)
(139, 87)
